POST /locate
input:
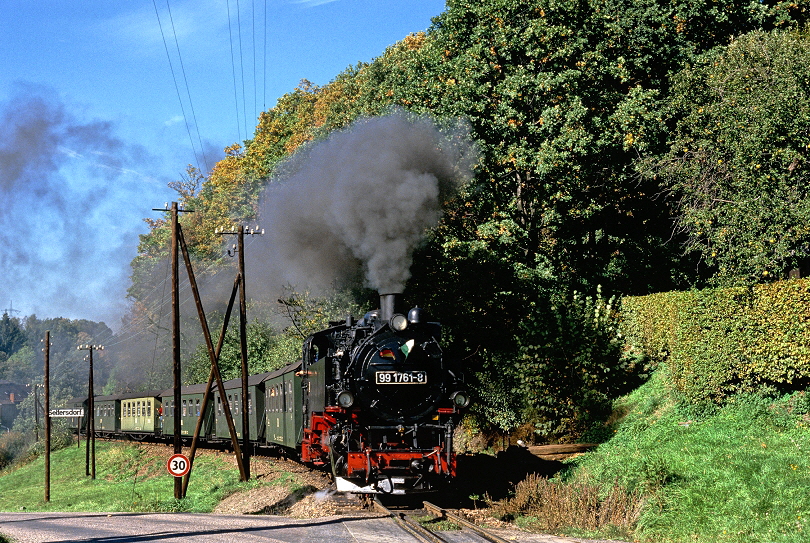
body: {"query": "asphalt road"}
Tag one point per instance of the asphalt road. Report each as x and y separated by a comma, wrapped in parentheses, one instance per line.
(126, 527)
(198, 528)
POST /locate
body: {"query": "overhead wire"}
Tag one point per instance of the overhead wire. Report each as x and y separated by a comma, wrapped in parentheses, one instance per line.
(188, 88)
(253, 17)
(136, 327)
(233, 71)
(176, 86)
(242, 66)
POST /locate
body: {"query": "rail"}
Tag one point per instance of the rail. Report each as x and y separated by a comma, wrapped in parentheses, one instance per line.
(409, 525)
(443, 513)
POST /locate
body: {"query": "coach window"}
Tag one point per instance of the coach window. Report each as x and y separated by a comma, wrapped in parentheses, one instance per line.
(149, 409)
(250, 405)
(198, 407)
(236, 404)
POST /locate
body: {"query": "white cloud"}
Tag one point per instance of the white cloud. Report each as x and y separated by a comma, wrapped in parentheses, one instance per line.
(174, 120)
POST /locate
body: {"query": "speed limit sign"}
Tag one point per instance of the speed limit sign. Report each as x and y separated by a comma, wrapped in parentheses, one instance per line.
(178, 465)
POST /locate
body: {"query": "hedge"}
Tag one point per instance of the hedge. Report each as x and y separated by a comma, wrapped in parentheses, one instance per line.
(719, 342)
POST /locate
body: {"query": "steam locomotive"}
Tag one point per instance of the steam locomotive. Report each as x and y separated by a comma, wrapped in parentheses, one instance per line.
(374, 400)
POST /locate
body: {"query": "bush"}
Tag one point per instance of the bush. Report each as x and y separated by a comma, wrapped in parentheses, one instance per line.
(12, 446)
(572, 365)
(720, 342)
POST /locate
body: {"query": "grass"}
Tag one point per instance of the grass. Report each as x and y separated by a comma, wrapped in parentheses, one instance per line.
(129, 478)
(737, 473)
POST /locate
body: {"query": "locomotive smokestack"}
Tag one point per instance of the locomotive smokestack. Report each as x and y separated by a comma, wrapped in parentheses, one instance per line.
(388, 305)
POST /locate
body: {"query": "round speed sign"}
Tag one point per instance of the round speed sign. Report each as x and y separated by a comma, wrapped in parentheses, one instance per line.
(178, 465)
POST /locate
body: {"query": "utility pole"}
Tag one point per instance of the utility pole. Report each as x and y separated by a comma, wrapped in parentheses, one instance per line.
(90, 468)
(175, 265)
(36, 412)
(47, 383)
(240, 249)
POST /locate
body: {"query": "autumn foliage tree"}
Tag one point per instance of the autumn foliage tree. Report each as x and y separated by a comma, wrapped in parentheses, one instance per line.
(566, 101)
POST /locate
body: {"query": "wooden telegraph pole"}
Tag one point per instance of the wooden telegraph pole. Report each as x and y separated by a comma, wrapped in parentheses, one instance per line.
(178, 440)
(91, 420)
(240, 249)
(175, 265)
(47, 384)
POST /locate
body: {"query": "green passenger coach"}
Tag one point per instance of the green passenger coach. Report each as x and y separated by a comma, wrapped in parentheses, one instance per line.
(140, 414)
(233, 391)
(191, 398)
(282, 391)
(107, 415)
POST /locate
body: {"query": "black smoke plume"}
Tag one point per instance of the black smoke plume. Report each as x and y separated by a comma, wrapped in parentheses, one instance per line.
(359, 202)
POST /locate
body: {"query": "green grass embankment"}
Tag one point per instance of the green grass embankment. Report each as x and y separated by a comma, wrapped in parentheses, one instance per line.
(737, 473)
(129, 478)
(674, 473)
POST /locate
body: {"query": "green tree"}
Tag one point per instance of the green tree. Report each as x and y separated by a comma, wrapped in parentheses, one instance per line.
(12, 337)
(738, 162)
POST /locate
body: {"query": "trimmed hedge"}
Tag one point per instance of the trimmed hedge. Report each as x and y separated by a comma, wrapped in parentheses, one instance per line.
(719, 342)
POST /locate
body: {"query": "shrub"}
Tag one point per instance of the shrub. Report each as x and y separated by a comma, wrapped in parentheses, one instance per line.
(720, 342)
(571, 365)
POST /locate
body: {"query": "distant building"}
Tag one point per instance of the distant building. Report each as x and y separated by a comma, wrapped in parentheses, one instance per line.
(11, 394)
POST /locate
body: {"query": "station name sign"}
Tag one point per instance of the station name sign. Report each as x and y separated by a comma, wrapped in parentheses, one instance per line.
(66, 413)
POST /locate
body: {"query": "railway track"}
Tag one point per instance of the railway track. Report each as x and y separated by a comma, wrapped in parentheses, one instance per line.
(469, 532)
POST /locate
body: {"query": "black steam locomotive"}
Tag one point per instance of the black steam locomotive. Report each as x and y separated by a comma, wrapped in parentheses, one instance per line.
(374, 400)
(380, 402)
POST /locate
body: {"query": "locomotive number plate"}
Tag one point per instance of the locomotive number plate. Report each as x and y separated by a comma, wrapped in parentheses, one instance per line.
(401, 377)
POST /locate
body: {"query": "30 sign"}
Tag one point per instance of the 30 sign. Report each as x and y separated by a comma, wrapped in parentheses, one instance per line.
(178, 465)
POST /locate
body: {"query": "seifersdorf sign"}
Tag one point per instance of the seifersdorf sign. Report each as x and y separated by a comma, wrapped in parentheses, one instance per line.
(66, 413)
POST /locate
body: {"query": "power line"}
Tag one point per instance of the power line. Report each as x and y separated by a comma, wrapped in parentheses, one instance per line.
(188, 89)
(253, 17)
(176, 86)
(242, 66)
(233, 71)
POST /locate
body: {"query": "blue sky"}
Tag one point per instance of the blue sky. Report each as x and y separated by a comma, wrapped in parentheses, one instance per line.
(92, 128)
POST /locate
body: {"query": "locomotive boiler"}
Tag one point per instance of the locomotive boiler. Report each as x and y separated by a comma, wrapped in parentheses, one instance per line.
(381, 402)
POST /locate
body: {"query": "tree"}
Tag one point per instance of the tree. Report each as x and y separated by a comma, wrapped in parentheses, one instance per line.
(738, 162)
(12, 338)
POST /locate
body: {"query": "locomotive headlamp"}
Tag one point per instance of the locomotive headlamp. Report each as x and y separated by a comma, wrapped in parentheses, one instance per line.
(399, 322)
(460, 399)
(345, 399)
